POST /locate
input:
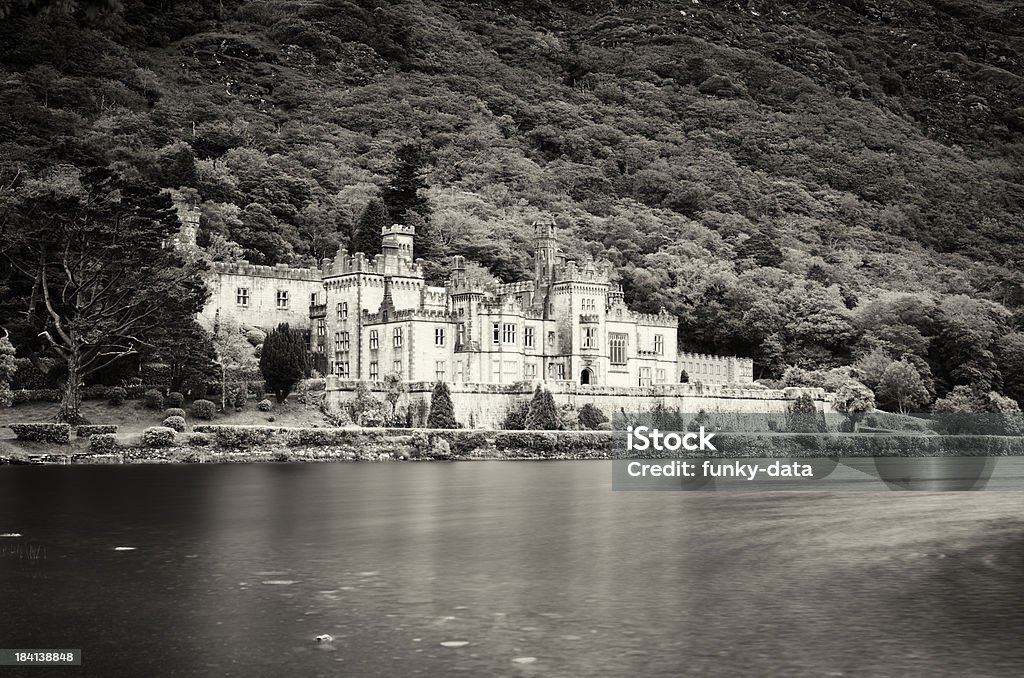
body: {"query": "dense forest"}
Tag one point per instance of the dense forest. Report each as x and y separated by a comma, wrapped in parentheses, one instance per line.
(814, 185)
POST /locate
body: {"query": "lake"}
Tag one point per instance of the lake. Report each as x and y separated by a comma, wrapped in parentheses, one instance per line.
(523, 569)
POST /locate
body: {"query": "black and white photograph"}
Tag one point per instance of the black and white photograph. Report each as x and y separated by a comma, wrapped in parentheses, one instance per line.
(525, 338)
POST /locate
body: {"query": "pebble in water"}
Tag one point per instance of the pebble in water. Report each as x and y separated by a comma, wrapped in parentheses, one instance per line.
(325, 638)
(455, 643)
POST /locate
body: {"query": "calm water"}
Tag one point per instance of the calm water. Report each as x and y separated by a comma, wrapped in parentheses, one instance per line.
(238, 568)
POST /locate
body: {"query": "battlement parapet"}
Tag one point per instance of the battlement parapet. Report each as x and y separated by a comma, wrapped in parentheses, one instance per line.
(587, 271)
(280, 271)
(345, 264)
(516, 287)
(660, 319)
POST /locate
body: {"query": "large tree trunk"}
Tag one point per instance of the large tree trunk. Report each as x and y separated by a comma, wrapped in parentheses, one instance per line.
(71, 397)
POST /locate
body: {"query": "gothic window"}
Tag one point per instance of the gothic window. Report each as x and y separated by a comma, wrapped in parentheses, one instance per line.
(659, 376)
(321, 327)
(438, 336)
(645, 376)
(530, 370)
(374, 371)
(439, 370)
(242, 296)
(551, 339)
(397, 337)
(282, 298)
(508, 334)
(528, 336)
(617, 348)
(496, 333)
(396, 367)
(343, 310)
(374, 343)
(462, 334)
(589, 337)
(659, 344)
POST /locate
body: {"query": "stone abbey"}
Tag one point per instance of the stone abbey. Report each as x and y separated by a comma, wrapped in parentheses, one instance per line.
(371, 316)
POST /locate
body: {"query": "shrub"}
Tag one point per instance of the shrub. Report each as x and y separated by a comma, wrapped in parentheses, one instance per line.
(89, 430)
(153, 399)
(264, 405)
(203, 409)
(175, 422)
(117, 395)
(158, 436)
(174, 399)
(284, 360)
(515, 417)
(95, 392)
(239, 436)
(542, 415)
(591, 418)
(238, 398)
(102, 443)
(198, 440)
(43, 432)
(442, 411)
(174, 412)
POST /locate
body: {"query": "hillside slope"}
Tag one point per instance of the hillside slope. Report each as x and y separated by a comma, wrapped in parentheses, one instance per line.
(778, 174)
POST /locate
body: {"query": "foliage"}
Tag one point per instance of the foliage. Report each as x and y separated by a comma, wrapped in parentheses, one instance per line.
(8, 368)
(515, 416)
(174, 399)
(264, 405)
(542, 414)
(102, 443)
(368, 229)
(117, 395)
(902, 383)
(158, 436)
(153, 399)
(591, 417)
(203, 409)
(442, 410)
(803, 416)
(47, 433)
(175, 422)
(89, 430)
(364, 408)
(899, 231)
(174, 412)
(284, 360)
(88, 272)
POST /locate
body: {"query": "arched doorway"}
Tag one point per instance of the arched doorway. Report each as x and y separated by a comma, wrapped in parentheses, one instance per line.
(586, 376)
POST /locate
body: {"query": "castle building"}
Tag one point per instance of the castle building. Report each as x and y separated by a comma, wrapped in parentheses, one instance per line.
(369, 317)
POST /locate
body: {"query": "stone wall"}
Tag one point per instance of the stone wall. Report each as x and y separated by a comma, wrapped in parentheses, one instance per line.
(485, 405)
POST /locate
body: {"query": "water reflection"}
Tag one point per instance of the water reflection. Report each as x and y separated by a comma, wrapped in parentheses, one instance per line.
(522, 569)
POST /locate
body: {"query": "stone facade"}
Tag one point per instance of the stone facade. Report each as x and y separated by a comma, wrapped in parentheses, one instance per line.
(569, 323)
(371, 316)
(261, 296)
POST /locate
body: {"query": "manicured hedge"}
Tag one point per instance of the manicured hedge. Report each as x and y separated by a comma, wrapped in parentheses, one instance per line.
(175, 422)
(239, 436)
(43, 432)
(87, 430)
(174, 412)
(203, 409)
(103, 443)
(158, 436)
